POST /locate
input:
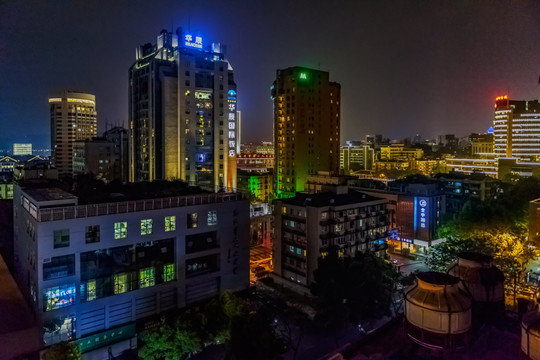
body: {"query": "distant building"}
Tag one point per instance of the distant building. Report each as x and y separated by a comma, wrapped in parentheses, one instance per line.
(306, 127)
(400, 152)
(486, 164)
(90, 269)
(482, 144)
(459, 187)
(517, 129)
(308, 225)
(183, 112)
(261, 148)
(255, 162)
(259, 184)
(105, 157)
(447, 140)
(260, 225)
(22, 149)
(73, 118)
(354, 157)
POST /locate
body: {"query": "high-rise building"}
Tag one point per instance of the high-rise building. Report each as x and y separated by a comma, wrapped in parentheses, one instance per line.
(73, 117)
(182, 112)
(22, 149)
(517, 128)
(306, 127)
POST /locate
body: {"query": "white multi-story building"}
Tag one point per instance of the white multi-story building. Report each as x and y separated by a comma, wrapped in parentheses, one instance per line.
(307, 226)
(91, 268)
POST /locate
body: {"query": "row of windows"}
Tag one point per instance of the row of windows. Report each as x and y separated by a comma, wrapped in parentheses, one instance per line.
(92, 232)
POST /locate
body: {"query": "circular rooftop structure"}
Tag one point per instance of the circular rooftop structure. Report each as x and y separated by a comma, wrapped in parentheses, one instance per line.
(530, 335)
(438, 312)
(479, 277)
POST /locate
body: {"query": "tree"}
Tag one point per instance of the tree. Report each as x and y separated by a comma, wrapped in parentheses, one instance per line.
(62, 351)
(253, 337)
(357, 289)
(169, 342)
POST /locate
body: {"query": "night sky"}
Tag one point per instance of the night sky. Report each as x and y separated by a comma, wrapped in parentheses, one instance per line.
(405, 67)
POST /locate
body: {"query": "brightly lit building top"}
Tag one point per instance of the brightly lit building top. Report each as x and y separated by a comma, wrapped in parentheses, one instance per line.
(168, 43)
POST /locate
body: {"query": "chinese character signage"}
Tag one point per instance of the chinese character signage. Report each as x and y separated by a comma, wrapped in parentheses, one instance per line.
(193, 41)
(232, 122)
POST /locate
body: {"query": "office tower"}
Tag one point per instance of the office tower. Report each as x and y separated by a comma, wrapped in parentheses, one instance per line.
(182, 112)
(73, 117)
(517, 129)
(306, 127)
(93, 267)
(22, 149)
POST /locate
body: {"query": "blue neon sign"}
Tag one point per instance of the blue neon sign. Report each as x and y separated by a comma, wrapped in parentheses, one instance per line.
(232, 94)
(193, 41)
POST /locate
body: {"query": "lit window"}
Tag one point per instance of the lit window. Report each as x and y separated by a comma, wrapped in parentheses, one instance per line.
(120, 283)
(169, 273)
(59, 296)
(291, 249)
(61, 238)
(91, 290)
(212, 218)
(120, 230)
(192, 220)
(146, 227)
(170, 223)
(146, 278)
(299, 251)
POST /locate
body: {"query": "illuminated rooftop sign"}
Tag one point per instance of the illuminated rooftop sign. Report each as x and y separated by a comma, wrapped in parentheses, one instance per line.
(191, 41)
(504, 97)
(303, 76)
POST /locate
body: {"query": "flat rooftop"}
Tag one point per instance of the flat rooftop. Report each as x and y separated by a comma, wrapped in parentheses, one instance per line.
(49, 194)
(330, 199)
(92, 191)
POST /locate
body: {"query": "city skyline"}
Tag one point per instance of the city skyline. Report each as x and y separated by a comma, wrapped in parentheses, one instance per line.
(420, 68)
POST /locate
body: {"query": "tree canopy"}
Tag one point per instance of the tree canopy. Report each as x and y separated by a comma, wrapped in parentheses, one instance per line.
(356, 289)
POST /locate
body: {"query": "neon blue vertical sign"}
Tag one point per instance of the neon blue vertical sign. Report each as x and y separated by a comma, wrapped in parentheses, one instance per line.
(415, 211)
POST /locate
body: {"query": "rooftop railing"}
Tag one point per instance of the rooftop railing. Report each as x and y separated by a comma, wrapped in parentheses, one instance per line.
(121, 207)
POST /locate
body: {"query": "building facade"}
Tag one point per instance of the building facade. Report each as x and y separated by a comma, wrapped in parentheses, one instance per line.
(307, 226)
(22, 149)
(183, 112)
(73, 118)
(517, 129)
(306, 127)
(105, 157)
(354, 157)
(89, 269)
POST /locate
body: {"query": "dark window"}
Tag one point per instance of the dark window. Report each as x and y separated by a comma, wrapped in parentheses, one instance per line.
(202, 265)
(61, 238)
(58, 267)
(92, 234)
(201, 242)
